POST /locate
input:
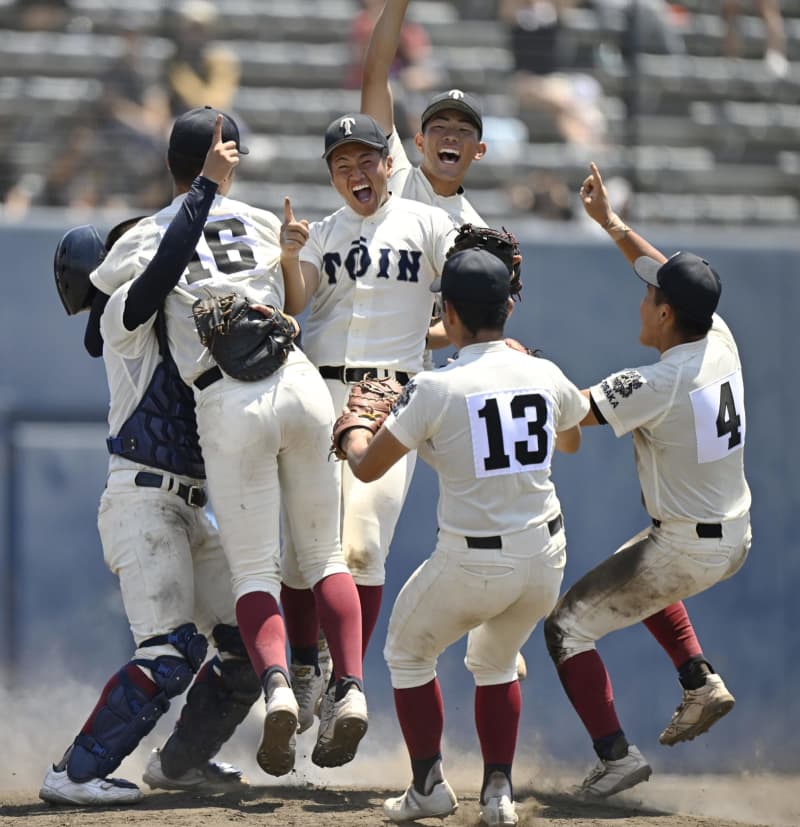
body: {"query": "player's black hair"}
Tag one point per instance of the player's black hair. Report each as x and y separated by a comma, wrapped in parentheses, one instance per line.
(184, 169)
(689, 328)
(480, 316)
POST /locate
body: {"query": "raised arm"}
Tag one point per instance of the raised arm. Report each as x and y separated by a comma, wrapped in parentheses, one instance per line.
(300, 278)
(163, 272)
(595, 201)
(376, 91)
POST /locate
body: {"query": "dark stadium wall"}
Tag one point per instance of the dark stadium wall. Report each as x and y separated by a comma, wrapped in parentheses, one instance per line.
(580, 305)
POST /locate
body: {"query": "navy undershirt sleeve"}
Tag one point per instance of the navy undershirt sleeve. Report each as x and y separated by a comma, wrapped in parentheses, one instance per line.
(596, 411)
(151, 288)
(92, 338)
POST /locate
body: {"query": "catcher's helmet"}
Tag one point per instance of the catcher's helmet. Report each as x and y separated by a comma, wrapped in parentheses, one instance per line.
(78, 253)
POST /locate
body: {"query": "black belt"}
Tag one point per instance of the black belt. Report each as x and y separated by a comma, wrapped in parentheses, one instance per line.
(553, 526)
(704, 530)
(208, 378)
(191, 494)
(344, 374)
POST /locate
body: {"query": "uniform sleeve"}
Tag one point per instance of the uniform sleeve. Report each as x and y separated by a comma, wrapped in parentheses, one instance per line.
(123, 262)
(572, 404)
(400, 162)
(415, 414)
(634, 397)
(129, 344)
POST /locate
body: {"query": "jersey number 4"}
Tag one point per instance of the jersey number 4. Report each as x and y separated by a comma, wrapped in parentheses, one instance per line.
(230, 256)
(719, 419)
(511, 431)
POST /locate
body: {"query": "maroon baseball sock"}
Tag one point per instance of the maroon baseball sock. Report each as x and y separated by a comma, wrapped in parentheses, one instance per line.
(135, 675)
(339, 611)
(420, 712)
(672, 628)
(497, 711)
(262, 630)
(370, 597)
(588, 686)
(301, 617)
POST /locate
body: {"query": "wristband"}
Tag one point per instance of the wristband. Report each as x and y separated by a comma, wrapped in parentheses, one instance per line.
(616, 227)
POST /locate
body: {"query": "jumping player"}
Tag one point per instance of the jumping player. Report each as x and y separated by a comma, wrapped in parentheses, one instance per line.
(158, 541)
(264, 443)
(488, 424)
(686, 414)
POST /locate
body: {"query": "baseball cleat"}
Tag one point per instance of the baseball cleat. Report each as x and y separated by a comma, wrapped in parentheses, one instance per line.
(411, 805)
(213, 776)
(698, 711)
(59, 788)
(276, 753)
(498, 809)
(611, 777)
(342, 725)
(308, 687)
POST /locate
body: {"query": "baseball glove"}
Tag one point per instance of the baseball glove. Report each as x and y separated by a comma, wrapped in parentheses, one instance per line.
(369, 403)
(501, 243)
(246, 344)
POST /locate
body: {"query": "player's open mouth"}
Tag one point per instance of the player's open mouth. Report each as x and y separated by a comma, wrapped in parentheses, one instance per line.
(449, 156)
(363, 193)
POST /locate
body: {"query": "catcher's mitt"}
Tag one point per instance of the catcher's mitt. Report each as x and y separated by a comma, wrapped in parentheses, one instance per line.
(369, 403)
(246, 343)
(501, 243)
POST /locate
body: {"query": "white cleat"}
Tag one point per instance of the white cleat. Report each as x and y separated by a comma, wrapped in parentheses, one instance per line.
(308, 688)
(59, 788)
(342, 725)
(698, 711)
(213, 776)
(411, 805)
(276, 753)
(499, 809)
(611, 777)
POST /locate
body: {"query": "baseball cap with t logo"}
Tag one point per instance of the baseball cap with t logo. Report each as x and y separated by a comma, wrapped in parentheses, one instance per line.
(354, 128)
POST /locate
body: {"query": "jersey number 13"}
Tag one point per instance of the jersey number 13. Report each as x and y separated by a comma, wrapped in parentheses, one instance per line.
(511, 431)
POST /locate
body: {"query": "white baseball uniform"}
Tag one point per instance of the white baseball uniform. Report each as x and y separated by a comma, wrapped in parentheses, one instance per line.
(166, 553)
(687, 416)
(263, 442)
(487, 424)
(372, 309)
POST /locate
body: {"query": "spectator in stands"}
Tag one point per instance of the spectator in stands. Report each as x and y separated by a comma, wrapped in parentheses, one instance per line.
(200, 72)
(414, 73)
(544, 76)
(42, 15)
(770, 11)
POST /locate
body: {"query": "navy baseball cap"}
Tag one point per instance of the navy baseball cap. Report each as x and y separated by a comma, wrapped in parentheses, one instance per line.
(192, 132)
(455, 99)
(689, 282)
(356, 128)
(474, 275)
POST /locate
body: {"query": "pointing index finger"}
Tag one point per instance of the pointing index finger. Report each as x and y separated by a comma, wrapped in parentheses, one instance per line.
(596, 173)
(217, 131)
(288, 215)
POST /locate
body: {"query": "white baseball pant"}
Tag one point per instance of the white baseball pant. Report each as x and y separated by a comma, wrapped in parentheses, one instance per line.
(496, 595)
(370, 512)
(264, 443)
(167, 556)
(654, 569)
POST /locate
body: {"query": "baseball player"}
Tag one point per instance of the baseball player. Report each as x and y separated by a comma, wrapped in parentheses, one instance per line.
(449, 140)
(687, 417)
(158, 541)
(264, 442)
(488, 424)
(366, 270)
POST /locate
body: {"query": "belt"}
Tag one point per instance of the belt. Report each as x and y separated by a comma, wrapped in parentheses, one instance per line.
(346, 375)
(553, 526)
(194, 495)
(704, 530)
(208, 378)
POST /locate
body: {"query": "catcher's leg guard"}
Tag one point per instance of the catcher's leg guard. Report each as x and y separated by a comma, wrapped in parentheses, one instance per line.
(219, 700)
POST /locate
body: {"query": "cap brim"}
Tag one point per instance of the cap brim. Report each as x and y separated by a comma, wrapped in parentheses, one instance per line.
(459, 106)
(647, 269)
(243, 150)
(436, 286)
(371, 144)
